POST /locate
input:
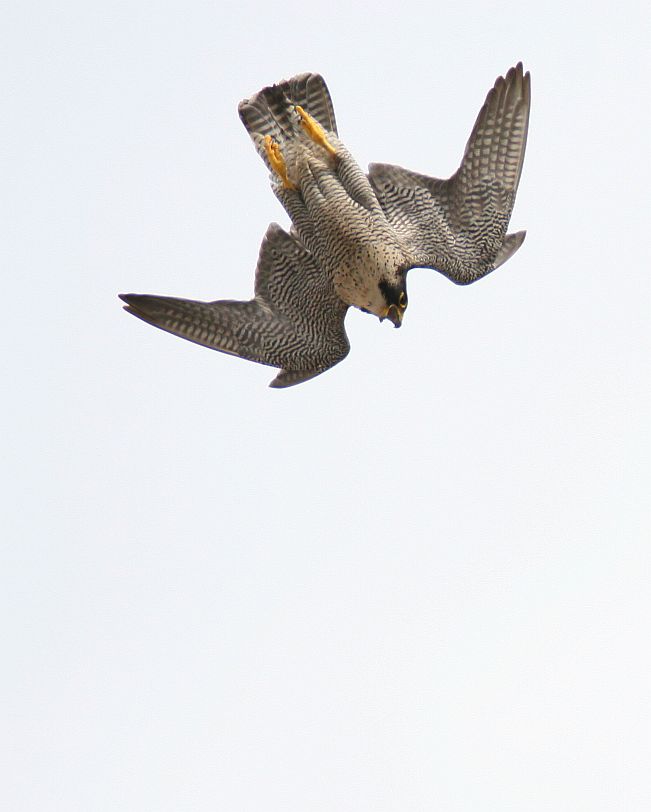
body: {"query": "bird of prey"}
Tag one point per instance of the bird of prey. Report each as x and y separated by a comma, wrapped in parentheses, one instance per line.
(354, 235)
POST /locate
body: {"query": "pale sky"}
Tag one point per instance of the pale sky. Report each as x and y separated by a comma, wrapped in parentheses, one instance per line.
(420, 581)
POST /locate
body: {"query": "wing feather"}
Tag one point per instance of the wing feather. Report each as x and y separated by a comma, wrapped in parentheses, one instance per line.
(458, 226)
(295, 321)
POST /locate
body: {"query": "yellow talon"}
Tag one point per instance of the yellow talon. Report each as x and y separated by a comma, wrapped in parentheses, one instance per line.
(314, 130)
(277, 161)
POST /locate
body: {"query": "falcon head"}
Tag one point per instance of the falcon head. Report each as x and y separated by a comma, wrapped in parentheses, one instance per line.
(394, 297)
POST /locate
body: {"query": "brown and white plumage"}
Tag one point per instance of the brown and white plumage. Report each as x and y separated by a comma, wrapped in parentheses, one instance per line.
(334, 210)
(354, 236)
(273, 328)
(458, 226)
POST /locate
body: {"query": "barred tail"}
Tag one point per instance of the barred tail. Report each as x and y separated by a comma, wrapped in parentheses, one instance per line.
(271, 111)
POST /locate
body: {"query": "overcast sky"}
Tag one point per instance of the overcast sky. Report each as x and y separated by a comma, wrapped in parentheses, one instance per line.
(419, 581)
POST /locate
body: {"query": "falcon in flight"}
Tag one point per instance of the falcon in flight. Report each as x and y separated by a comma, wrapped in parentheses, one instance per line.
(354, 235)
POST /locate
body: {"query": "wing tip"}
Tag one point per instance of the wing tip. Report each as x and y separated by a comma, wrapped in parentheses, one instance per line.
(511, 244)
(291, 377)
(133, 303)
(129, 300)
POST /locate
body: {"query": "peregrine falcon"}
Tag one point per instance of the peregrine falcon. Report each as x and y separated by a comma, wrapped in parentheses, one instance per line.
(354, 235)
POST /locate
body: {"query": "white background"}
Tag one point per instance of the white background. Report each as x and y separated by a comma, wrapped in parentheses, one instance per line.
(420, 581)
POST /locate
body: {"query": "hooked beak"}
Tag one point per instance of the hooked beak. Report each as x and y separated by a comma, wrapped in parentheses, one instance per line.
(394, 314)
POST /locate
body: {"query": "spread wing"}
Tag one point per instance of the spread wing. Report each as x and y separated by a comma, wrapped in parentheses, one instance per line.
(295, 321)
(458, 226)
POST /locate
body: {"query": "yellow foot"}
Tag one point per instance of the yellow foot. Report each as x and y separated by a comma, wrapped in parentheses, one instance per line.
(314, 130)
(277, 161)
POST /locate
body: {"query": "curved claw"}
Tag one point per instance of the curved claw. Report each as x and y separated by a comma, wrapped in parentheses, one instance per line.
(314, 130)
(277, 161)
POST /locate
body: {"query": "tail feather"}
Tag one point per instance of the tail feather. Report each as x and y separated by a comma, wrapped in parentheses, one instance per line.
(309, 90)
(271, 111)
